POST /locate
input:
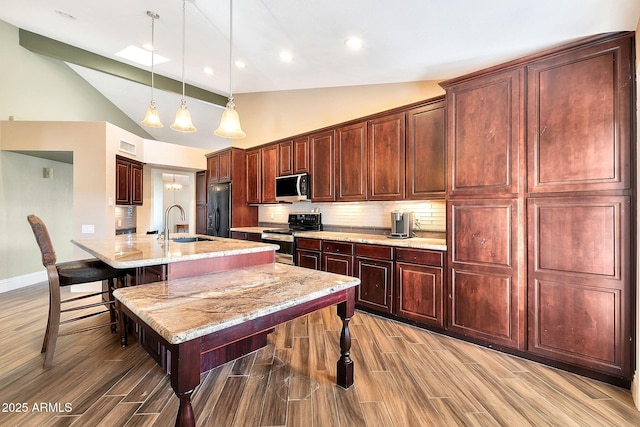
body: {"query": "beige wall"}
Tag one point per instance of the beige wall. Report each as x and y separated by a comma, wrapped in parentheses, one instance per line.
(269, 116)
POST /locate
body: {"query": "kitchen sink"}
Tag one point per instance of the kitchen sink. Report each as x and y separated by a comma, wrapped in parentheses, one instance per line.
(190, 239)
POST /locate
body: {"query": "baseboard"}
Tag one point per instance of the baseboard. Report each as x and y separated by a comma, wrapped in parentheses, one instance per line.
(635, 390)
(23, 281)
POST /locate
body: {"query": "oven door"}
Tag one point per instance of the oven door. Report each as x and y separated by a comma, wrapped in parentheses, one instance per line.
(284, 255)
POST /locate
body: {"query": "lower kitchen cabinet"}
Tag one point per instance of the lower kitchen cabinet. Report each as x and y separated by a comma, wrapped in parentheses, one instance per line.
(337, 257)
(308, 253)
(420, 287)
(241, 235)
(374, 268)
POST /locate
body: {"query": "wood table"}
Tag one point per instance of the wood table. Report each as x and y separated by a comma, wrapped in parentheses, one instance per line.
(205, 321)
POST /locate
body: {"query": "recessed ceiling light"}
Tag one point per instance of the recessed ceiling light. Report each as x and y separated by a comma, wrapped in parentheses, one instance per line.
(140, 56)
(65, 15)
(354, 43)
(208, 71)
(286, 56)
(240, 64)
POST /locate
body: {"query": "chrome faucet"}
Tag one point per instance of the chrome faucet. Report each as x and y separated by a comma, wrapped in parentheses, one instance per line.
(166, 220)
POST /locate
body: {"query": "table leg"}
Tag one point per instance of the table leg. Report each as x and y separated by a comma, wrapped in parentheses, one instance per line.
(344, 367)
(185, 376)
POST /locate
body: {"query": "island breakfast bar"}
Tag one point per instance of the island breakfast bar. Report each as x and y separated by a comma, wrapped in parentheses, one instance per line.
(205, 321)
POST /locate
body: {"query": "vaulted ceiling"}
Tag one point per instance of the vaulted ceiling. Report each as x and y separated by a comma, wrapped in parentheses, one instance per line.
(404, 40)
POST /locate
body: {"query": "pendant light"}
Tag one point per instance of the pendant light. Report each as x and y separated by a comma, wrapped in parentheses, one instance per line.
(230, 121)
(183, 123)
(151, 118)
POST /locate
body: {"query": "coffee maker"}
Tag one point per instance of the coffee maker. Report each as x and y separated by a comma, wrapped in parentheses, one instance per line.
(401, 224)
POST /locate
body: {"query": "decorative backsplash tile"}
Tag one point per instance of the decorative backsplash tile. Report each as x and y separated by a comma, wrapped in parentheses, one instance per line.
(429, 215)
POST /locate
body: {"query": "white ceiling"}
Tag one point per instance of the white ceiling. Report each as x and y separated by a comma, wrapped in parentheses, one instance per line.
(404, 40)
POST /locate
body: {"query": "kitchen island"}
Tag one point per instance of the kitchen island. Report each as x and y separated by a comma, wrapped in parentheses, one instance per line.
(206, 321)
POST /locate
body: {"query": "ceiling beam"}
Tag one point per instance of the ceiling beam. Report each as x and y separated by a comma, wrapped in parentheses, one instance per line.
(65, 52)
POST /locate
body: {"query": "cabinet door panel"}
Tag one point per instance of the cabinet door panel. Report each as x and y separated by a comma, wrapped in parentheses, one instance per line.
(301, 155)
(285, 158)
(376, 284)
(253, 176)
(323, 167)
(580, 281)
(136, 184)
(336, 263)
(426, 151)
(587, 149)
(483, 132)
(420, 293)
(484, 305)
(213, 167)
(269, 169)
(123, 179)
(308, 259)
(224, 166)
(386, 148)
(351, 163)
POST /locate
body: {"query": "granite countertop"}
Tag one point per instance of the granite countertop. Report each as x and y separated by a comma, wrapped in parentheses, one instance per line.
(142, 250)
(216, 301)
(254, 229)
(438, 244)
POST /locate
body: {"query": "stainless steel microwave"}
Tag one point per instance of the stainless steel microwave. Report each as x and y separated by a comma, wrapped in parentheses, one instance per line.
(293, 188)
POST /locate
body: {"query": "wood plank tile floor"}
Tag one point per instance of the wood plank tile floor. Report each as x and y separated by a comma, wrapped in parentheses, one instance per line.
(404, 376)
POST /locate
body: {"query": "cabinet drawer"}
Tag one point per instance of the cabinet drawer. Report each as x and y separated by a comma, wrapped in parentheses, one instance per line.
(420, 256)
(313, 244)
(337, 247)
(373, 251)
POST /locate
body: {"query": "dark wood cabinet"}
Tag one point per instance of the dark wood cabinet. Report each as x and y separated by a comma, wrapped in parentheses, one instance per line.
(484, 140)
(285, 158)
(579, 106)
(230, 165)
(351, 162)
(301, 155)
(425, 151)
(201, 202)
(129, 181)
(254, 174)
(374, 268)
(386, 146)
(486, 290)
(308, 253)
(337, 263)
(420, 293)
(579, 284)
(269, 171)
(322, 152)
(243, 235)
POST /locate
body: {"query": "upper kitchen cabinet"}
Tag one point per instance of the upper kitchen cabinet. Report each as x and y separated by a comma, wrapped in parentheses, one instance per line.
(425, 151)
(301, 155)
(485, 143)
(285, 158)
(253, 176)
(386, 146)
(351, 163)
(322, 149)
(219, 166)
(579, 116)
(269, 171)
(128, 181)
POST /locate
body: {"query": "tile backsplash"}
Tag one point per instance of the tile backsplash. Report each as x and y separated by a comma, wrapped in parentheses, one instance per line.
(365, 215)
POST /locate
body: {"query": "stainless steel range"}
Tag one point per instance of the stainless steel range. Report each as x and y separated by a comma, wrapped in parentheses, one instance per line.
(284, 237)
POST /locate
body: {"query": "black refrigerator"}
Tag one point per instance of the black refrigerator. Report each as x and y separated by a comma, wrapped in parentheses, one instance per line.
(219, 210)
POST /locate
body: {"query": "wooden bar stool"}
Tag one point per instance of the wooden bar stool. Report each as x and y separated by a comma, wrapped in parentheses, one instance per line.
(73, 273)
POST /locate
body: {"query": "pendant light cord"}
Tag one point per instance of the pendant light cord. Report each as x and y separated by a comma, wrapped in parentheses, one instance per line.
(184, 2)
(230, 49)
(153, 48)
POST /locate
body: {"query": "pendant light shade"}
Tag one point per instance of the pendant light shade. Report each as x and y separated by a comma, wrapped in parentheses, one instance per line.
(152, 118)
(230, 121)
(183, 123)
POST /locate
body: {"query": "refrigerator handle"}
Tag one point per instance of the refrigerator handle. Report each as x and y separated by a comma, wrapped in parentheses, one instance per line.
(217, 221)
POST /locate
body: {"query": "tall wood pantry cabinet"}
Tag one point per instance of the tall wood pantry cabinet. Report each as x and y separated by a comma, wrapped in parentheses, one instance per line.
(540, 256)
